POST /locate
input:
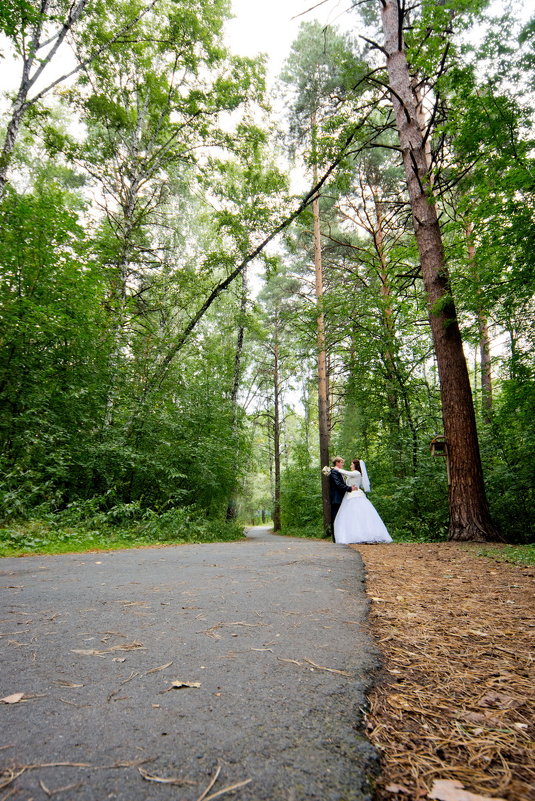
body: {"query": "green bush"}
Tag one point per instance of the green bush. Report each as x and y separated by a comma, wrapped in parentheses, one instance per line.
(301, 507)
(103, 531)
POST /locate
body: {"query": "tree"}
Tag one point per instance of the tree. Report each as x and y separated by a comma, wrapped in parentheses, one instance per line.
(277, 297)
(319, 65)
(38, 30)
(469, 514)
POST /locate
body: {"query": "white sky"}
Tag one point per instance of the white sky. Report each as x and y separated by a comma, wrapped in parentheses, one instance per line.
(270, 26)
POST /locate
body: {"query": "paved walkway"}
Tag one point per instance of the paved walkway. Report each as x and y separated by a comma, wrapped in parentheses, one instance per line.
(271, 630)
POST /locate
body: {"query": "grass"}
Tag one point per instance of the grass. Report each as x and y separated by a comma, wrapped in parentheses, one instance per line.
(23, 538)
(308, 533)
(517, 554)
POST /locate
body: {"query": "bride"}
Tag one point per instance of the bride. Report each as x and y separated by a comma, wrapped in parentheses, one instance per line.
(357, 519)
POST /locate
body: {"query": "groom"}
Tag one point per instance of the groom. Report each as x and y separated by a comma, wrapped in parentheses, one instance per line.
(337, 488)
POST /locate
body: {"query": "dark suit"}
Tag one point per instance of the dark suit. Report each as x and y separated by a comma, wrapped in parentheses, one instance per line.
(337, 488)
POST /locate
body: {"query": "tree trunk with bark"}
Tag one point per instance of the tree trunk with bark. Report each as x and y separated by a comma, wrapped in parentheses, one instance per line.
(469, 514)
(276, 440)
(387, 314)
(483, 327)
(232, 507)
(323, 387)
(323, 382)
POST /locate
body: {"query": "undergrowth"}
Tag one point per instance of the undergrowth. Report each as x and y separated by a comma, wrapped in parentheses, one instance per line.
(59, 534)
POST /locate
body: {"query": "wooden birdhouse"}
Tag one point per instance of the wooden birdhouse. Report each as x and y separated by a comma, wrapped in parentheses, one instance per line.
(437, 445)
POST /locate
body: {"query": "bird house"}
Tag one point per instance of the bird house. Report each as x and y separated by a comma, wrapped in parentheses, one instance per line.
(437, 445)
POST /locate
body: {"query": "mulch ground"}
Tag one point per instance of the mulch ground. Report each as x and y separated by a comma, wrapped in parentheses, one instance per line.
(455, 704)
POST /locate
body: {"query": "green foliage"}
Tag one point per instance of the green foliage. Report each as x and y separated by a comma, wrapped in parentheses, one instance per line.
(322, 66)
(107, 425)
(301, 501)
(104, 532)
(114, 430)
(510, 472)
(16, 16)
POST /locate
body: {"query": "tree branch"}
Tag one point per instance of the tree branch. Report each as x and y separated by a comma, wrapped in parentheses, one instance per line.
(92, 57)
(179, 343)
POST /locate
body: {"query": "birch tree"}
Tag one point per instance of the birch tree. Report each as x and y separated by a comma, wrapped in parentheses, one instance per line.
(39, 31)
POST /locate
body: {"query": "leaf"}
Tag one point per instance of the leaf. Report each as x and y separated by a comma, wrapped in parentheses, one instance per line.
(499, 700)
(481, 719)
(12, 699)
(179, 685)
(397, 788)
(328, 669)
(446, 790)
(127, 646)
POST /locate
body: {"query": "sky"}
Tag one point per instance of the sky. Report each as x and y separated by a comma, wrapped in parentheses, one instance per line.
(270, 26)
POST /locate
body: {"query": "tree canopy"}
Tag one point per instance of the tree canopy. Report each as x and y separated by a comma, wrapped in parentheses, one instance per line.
(158, 300)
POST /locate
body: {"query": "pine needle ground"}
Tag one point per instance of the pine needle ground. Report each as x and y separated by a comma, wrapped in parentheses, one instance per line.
(456, 697)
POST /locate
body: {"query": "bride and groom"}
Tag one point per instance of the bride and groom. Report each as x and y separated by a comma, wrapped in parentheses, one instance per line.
(353, 517)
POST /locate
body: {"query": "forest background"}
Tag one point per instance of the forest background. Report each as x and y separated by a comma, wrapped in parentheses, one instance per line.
(169, 300)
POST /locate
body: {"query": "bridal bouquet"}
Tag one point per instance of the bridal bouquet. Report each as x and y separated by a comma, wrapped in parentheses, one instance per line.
(326, 470)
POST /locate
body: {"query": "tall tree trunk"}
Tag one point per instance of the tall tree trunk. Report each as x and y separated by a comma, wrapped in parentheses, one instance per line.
(483, 327)
(276, 441)
(387, 314)
(323, 385)
(469, 514)
(232, 508)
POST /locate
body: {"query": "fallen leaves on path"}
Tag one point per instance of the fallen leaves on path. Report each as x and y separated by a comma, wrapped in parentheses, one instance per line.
(178, 684)
(456, 703)
(69, 684)
(211, 632)
(157, 669)
(8, 775)
(14, 698)
(445, 790)
(51, 793)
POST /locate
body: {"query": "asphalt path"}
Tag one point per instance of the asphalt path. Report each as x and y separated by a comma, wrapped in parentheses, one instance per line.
(269, 631)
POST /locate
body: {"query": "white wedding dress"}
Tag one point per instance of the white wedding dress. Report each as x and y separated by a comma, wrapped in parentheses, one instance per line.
(357, 519)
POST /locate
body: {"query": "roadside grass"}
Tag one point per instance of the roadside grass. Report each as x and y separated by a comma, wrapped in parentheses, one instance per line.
(304, 532)
(517, 554)
(33, 537)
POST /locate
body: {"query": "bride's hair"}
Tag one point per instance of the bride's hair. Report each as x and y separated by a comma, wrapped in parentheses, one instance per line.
(356, 463)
